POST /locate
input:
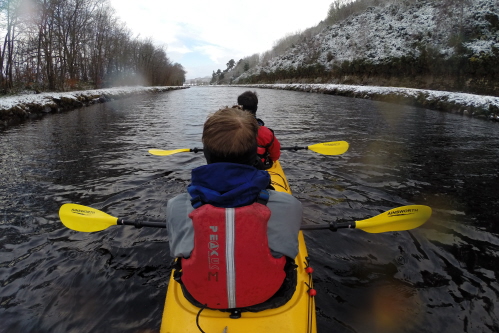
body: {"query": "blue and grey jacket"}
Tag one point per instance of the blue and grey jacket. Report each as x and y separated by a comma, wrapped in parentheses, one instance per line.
(233, 185)
(227, 185)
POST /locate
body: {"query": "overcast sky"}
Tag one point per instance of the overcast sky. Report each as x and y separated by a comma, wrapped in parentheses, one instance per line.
(203, 35)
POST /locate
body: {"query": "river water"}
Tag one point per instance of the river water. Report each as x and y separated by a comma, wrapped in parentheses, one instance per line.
(441, 277)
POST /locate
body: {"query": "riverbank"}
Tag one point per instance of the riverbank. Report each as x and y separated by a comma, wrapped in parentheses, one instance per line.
(484, 107)
(19, 108)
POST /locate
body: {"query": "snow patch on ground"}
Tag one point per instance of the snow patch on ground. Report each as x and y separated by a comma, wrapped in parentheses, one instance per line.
(42, 98)
(468, 104)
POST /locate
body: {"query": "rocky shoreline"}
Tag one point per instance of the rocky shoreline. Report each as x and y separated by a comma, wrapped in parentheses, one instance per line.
(483, 107)
(17, 109)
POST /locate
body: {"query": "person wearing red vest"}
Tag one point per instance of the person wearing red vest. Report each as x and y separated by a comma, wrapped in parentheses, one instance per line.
(269, 148)
(232, 236)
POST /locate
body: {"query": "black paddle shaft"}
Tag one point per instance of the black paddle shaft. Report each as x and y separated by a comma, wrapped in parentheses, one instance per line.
(140, 224)
(295, 148)
(333, 226)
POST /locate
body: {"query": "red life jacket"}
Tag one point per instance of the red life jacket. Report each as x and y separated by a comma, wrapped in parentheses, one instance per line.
(265, 140)
(231, 265)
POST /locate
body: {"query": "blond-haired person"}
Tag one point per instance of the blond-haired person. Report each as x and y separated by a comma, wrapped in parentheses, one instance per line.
(235, 239)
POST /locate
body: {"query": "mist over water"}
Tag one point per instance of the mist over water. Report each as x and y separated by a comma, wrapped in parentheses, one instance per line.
(441, 277)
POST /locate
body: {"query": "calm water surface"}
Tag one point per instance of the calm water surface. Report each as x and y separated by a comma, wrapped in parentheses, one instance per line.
(441, 277)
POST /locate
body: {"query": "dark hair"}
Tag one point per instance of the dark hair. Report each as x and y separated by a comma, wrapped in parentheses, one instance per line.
(229, 135)
(248, 100)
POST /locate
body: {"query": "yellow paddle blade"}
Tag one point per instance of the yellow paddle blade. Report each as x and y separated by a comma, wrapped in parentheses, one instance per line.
(160, 152)
(86, 219)
(397, 219)
(330, 148)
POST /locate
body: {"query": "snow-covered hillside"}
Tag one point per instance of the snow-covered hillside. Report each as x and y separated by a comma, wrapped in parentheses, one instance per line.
(393, 30)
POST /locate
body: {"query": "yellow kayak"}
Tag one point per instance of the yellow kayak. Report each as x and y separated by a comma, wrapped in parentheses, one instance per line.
(297, 315)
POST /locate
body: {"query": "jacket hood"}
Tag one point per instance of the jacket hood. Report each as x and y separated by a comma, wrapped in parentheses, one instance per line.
(227, 184)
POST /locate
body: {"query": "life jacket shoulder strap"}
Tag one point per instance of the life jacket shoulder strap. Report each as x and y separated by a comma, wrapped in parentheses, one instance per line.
(263, 197)
(196, 202)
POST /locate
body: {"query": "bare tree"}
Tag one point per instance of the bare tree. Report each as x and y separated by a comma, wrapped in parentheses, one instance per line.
(10, 15)
(68, 44)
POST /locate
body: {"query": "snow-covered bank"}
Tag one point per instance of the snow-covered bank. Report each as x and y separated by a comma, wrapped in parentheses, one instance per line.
(16, 109)
(486, 107)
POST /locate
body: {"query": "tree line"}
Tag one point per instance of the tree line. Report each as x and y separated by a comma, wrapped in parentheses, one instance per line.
(59, 45)
(234, 69)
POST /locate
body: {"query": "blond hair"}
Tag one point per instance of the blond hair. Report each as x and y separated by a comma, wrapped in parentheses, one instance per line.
(230, 133)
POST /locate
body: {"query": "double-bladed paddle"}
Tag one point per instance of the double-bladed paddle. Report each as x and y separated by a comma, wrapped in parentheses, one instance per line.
(396, 219)
(325, 148)
(88, 219)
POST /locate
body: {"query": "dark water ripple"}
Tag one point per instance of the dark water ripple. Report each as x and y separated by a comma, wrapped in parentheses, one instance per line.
(441, 277)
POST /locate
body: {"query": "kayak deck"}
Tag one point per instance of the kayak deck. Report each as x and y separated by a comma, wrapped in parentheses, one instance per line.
(297, 315)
